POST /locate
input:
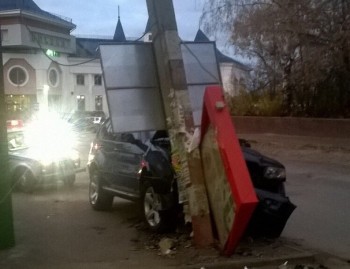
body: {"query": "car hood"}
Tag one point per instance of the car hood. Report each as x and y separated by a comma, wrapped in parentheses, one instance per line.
(23, 153)
(251, 155)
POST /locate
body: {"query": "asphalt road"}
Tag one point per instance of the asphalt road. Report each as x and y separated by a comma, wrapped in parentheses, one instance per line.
(56, 227)
(322, 193)
(318, 182)
(318, 172)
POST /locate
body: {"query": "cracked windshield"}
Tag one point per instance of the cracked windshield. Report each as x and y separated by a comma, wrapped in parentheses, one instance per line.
(163, 134)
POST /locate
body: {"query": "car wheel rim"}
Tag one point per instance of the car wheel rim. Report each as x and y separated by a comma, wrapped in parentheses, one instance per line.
(151, 207)
(94, 189)
(24, 180)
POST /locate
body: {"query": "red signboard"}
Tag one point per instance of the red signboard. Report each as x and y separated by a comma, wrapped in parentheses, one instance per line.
(231, 193)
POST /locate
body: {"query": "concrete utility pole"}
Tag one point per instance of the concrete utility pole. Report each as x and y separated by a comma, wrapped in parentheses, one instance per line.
(7, 238)
(179, 117)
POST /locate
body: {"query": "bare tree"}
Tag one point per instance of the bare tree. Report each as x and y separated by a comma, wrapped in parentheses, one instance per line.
(301, 47)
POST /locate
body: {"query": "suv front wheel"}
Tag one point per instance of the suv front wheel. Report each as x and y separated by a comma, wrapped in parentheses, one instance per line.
(99, 198)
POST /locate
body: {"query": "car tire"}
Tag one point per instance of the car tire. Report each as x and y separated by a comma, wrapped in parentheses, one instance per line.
(69, 181)
(157, 220)
(24, 180)
(99, 199)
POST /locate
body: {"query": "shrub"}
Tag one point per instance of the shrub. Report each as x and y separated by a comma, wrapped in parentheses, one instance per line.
(257, 103)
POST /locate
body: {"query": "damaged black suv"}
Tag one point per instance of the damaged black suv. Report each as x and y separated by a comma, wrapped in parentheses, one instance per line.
(138, 167)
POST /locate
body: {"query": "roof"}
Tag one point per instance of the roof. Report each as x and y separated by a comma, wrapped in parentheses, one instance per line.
(119, 35)
(19, 4)
(222, 58)
(29, 5)
(201, 37)
(88, 47)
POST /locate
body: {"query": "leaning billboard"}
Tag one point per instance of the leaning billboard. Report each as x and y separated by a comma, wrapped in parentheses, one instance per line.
(132, 89)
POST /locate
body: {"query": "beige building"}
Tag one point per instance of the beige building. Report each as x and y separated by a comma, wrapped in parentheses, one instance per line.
(46, 66)
(29, 35)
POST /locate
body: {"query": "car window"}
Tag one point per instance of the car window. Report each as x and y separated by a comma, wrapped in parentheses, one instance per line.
(16, 140)
(106, 132)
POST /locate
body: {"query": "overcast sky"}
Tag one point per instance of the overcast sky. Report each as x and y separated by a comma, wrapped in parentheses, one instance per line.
(99, 17)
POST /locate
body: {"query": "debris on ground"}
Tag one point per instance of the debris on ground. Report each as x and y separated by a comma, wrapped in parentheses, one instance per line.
(283, 265)
(167, 246)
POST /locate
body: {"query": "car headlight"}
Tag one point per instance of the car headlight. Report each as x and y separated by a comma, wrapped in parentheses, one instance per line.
(275, 173)
(74, 155)
(47, 161)
(50, 157)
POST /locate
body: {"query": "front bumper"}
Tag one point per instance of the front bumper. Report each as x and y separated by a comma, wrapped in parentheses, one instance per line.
(271, 215)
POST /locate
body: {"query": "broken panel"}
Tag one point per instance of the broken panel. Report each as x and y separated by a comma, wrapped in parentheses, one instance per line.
(219, 191)
(202, 70)
(133, 95)
(232, 202)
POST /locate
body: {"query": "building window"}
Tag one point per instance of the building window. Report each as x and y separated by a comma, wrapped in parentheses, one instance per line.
(80, 79)
(81, 102)
(18, 76)
(5, 35)
(98, 80)
(53, 77)
(49, 40)
(98, 102)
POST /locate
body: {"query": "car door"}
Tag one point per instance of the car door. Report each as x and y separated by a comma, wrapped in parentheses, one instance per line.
(121, 159)
(107, 156)
(129, 163)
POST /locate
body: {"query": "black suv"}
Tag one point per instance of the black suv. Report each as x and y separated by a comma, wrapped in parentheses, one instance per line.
(137, 166)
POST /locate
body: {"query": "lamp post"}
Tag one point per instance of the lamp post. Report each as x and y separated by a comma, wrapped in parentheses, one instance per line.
(177, 107)
(7, 238)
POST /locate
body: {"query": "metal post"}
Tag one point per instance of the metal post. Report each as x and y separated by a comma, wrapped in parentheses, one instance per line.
(178, 111)
(7, 238)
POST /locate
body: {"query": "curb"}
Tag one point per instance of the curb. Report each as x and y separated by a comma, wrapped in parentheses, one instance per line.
(303, 258)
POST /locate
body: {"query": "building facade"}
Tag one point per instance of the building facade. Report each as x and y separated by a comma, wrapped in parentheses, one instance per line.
(45, 66)
(28, 36)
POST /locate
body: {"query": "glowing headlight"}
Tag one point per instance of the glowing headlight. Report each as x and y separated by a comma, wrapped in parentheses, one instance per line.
(51, 139)
(275, 173)
(74, 155)
(47, 162)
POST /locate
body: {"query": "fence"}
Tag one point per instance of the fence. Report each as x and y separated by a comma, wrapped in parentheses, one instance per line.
(339, 128)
